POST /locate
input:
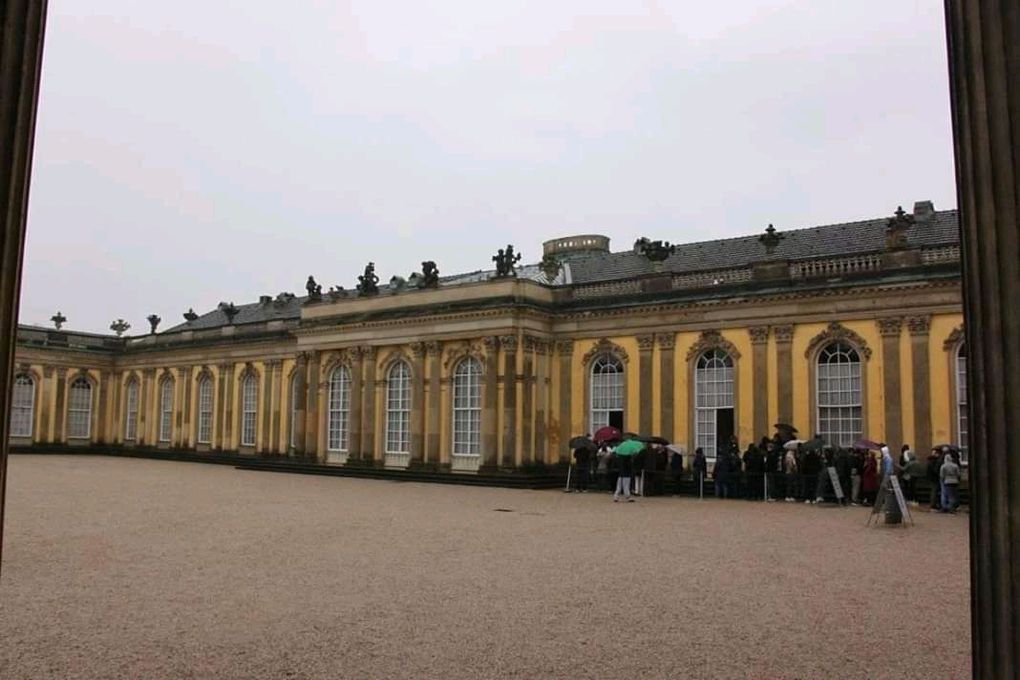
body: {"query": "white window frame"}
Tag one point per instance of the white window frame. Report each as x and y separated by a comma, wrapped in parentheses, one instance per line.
(22, 405)
(714, 373)
(607, 391)
(203, 433)
(131, 410)
(962, 418)
(166, 410)
(79, 414)
(466, 411)
(398, 408)
(249, 409)
(839, 394)
(338, 407)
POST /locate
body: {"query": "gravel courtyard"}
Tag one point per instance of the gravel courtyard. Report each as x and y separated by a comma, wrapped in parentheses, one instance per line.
(125, 568)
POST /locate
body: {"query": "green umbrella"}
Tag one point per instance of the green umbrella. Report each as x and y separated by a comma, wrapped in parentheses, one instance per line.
(630, 447)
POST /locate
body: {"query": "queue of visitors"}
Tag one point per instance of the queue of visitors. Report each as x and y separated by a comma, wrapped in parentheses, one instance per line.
(779, 468)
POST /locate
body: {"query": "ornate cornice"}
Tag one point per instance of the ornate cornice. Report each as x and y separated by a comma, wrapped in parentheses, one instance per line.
(646, 342)
(837, 332)
(665, 341)
(954, 339)
(759, 335)
(783, 332)
(890, 327)
(919, 325)
(709, 340)
(605, 346)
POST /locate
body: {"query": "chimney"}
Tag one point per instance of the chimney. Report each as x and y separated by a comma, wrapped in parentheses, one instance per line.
(923, 211)
(265, 299)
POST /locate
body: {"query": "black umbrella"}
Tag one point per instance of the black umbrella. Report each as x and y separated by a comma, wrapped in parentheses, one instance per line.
(786, 428)
(630, 435)
(813, 444)
(583, 442)
(652, 440)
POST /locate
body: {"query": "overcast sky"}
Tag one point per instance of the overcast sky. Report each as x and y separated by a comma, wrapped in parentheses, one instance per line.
(191, 152)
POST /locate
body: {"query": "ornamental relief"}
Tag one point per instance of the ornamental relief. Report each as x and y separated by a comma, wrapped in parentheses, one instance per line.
(458, 350)
(709, 340)
(837, 332)
(605, 346)
(954, 339)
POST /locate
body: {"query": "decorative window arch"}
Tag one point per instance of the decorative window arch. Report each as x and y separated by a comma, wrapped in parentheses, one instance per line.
(467, 408)
(712, 387)
(605, 377)
(398, 408)
(166, 408)
(22, 405)
(249, 407)
(338, 409)
(79, 408)
(205, 408)
(956, 349)
(131, 409)
(839, 418)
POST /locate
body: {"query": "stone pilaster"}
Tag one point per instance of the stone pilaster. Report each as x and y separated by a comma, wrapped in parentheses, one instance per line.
(667, 376)
(509, 378)
(312, 394)
(102, 407)
(490, 395)
(565, 352)
(760, 382)
(228, 408)
(275, 366)
(541, 401)
(435, 354)
(59, 408)
(921, 369)
(219, 443)
(299, 413)
(527, 379)
(357, 403)
(264, 443)
(182, 403)
(368, 451)
(984, 50)
(784, 377)
(44, 399)
(646, 344)
(116, 415)
(417, 403)
(890, 329)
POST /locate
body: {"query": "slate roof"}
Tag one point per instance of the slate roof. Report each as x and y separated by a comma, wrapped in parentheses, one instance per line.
(834, 240)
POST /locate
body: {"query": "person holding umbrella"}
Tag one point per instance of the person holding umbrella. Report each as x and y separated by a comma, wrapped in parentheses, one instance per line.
(582, 456)
(625, 453)
(699, 466)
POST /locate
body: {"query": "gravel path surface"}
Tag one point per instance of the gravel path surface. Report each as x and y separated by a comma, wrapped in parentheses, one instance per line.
(123, 568)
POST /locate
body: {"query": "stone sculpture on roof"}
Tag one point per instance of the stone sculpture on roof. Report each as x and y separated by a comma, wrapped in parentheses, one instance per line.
(336, 292)
(153, 322)
(368, 283)
(505, 260)
(896, 229)
(429, 275)
(58, 320)
(770, 239)
(229, 310)
(313, 289)
(550, 266)
(119, 326)
(190, 315)
(656, 251)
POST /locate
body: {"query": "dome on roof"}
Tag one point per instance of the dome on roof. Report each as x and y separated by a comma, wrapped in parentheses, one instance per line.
(582, 244)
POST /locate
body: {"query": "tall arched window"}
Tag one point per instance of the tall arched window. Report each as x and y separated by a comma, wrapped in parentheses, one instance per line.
(131, 411)
(166, 409)
(398, 408)
(249, 408)
(338, 432)
(713, 401)
(205, 409)
(22, 405)
(467, 408)
(839, 395)
(607, 392)
(961, 400)
(79, 409)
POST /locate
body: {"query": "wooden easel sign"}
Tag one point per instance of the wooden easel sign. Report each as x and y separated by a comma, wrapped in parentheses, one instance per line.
(901, 502)
(837, 488)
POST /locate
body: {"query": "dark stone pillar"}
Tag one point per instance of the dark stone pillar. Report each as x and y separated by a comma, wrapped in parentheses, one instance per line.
(646, 343)
(435, 351)
(490, 445)
(667, 378)
(44, 399)
(267, 408)
(541, 401)
(221, 406)
(890, 329)
(22, 24)
(921, 369)
(368, 405)
(760, 386)
(984, 63)
(312, 405)
(279, 398)
(527, 379)
(102, 406)
(565, 351)
(357, 404)
(784, 349)
(184, 408)
(509, 377)
(228, 407)
(417, 403)
(59, 408)
(300, 411)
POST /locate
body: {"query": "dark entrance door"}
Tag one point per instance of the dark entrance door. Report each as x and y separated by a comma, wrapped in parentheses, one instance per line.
(724, 428)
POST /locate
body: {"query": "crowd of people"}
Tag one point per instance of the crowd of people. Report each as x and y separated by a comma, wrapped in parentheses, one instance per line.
(773, 469)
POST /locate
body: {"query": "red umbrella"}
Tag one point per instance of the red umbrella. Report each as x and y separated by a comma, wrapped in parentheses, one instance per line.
(606, 434)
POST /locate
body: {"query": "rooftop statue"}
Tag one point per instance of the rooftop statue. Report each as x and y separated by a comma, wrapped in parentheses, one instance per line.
(770, 239)
(229, 310)
(313, 289)
(505, 262)
(656, 251)
(368, 283)
(153, 322)
(190, 315)
(58, 320)
(550, 266)
(119, 326)
(896, 229)
(429, 275)
(336, 292)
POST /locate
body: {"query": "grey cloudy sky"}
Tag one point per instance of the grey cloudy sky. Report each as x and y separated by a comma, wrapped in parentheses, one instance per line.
(190, 152)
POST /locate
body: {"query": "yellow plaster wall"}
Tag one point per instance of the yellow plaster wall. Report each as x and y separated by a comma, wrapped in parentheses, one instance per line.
(907, 389)
(943, 400)
(682, 403)
(744, 399)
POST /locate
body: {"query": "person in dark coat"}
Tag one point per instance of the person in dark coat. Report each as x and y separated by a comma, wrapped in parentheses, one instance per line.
(754, 467)
(699, 466)
(869, 479)
(676, 468)
(934, 482)
(637, 485)
(809, 469)
(734, 467)
(661, 458)
(856, 472)
(582, 457)
(774, 470)
(721, 475)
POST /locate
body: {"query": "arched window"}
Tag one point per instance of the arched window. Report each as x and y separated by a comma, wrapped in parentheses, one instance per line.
(22, 405)
(607, 392)
(293, 401)
(79, 409)
(839, 395)
(131, 411)
(205, 409)
(338, 432)
(961, 400)
(398, 408)
(467, 408)
(249, 408)
(713, 401)
(166, 409)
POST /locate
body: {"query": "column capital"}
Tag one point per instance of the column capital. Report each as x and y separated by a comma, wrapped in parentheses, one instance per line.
(646, 342)
(418, 350)
(183, 371)
(274, 363)
(47, 371)
(508, 342)
(149, 372)
(366, 351)
(434, 347)
(759, 335)
(890, 326)
(784, 332)
(491, 343)
(665, 341)
(565, 348)
(919, 325)
(223, 368)
(62, 372)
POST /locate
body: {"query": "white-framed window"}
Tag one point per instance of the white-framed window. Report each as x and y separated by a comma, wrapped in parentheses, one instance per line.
(839, 417)
(398, 408)
(713, 400)
(166, 409)
(962, 427)
(338, 432)
(249, 408)
(79, 409)
(607, 392)
(22, 405)
(131, 411)
(467, 408)
(205, 409)
(293, 401)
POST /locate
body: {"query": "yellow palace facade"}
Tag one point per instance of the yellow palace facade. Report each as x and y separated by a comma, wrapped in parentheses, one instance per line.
(843, 330)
